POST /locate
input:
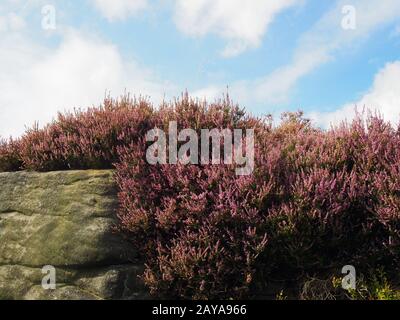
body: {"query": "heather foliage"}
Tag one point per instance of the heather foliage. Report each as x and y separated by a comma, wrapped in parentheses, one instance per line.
(86, 139)
(10, 158)
(317, 200)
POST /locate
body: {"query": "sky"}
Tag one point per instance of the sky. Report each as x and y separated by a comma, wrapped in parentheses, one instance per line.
(324, 57)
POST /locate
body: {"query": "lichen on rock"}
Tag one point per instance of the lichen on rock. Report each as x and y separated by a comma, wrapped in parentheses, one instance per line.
(66, 220)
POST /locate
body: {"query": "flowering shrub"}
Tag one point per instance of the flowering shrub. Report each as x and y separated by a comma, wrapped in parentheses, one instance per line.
(86, 139)
(10, 158)
(316, 200)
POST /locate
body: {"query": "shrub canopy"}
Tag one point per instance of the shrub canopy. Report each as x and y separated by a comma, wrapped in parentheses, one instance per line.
(317, 199)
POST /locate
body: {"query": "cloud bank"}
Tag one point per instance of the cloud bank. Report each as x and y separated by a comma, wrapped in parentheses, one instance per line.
(317, 46)
(36, 82)
(119, 9)
(383, 97)
(242, 23)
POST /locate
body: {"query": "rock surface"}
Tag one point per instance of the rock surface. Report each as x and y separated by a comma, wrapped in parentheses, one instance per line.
(66, 220)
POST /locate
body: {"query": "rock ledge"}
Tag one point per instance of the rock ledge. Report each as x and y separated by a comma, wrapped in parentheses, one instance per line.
(66, 220)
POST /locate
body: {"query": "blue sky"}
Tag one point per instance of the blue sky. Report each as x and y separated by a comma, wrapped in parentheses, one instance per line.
(324, 57)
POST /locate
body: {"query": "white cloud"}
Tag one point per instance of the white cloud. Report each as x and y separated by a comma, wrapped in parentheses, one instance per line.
(383, 97)
(119, 9)
(325, 39)
(11, 22)
(242, 23)
(36, 81)
(317, 46)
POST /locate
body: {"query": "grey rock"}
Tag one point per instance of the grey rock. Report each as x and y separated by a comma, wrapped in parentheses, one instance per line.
(67, 220)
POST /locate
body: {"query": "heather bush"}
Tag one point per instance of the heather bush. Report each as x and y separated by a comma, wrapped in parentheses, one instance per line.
(309, 206)
(10, 158)
(87, 139)
(317, 199)
(197, 225)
